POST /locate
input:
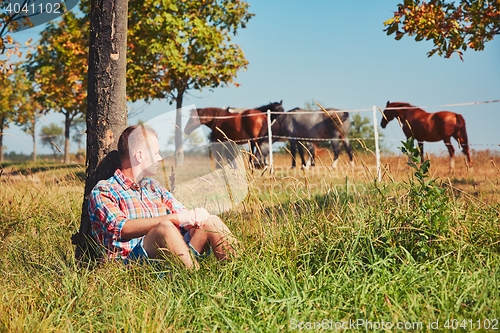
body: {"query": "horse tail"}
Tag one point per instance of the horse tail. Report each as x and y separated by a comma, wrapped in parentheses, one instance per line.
(461, 133)
(461, 136)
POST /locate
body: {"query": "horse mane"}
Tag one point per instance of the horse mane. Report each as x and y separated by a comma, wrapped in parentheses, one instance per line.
(271, 106)
(399, 104)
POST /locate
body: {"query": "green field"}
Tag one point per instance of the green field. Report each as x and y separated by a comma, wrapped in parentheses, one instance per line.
(319, 249)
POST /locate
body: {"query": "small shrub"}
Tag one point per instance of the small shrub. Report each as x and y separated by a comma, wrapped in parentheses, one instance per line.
(424, 224)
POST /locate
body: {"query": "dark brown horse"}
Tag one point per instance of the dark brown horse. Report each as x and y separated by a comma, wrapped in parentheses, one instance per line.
(243, 127)
(430, 127)
(297, 126)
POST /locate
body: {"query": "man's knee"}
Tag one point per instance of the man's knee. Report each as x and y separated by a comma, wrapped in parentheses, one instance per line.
(165, 227)
(215, 227)
(162, 237)
(162, 232)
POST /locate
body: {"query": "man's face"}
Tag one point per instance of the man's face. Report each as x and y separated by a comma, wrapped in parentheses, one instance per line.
(150, 155)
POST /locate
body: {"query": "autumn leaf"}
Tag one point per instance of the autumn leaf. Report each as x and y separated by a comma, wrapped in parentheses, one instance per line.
(450, 25)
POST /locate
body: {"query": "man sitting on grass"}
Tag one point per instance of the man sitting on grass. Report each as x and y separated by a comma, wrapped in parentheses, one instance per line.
(134, 217)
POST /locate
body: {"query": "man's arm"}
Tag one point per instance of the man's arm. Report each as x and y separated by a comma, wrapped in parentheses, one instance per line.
(134, 228)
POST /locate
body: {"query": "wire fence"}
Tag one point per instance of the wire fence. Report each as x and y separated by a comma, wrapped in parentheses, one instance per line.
(376, 138)
(332, 110)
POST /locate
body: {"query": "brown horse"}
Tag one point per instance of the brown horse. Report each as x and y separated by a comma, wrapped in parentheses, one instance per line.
(430, 127)
(247, 126)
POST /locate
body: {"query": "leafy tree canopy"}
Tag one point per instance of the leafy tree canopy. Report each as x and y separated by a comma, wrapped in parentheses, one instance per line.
(12, 97)
(451, 25)
(14, 93)
(10, 22)
(59, 66)
(175, 46)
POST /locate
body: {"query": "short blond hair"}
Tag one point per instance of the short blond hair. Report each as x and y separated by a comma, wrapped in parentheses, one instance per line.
(131, 140)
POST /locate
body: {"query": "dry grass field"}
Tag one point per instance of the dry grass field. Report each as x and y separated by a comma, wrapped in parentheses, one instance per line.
(480, 181)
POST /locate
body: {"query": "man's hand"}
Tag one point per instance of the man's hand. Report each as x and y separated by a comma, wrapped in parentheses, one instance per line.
(201, 216)
(194, 218)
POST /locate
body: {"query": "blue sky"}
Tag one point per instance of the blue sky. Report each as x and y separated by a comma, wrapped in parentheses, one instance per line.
(337, 53)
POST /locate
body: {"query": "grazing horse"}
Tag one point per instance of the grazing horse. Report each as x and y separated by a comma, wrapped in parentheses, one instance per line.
(243, 127)
(301, 125)
(431, 127)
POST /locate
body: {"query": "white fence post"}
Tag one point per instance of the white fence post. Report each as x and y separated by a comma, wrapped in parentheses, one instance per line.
(377, 149)
(270, 139)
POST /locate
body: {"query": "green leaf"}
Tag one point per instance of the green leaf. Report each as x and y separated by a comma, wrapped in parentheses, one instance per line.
(390, 21)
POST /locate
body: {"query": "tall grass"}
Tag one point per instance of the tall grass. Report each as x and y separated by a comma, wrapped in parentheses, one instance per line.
(315, 249)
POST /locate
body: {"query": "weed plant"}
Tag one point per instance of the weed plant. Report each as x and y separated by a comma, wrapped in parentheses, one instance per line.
(411, 252)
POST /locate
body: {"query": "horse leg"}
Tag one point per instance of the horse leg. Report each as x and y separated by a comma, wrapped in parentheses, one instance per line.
(263, 147)
(451, 151)
(421, 150)
(303, 146)
(217, 154)
(254, 150)
(465, 150)
(250, 155)
(293, 150)
(312, 153)
(257, 158)
(464, 144)
(348, 149)
(300, 148)
(336, 152)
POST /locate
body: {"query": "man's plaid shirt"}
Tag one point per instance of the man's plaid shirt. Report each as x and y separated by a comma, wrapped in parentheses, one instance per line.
(118, 199)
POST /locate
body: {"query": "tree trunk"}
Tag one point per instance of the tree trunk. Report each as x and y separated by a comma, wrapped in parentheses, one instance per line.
(67, 125)
(106, 105)
(33, 136)
(2, 128)
(179, 151)
(1, 146)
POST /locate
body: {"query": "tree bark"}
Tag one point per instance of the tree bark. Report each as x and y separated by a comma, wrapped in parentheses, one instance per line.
(67, 125)
(33, 136)
(2, 124)
(106, 106)
(179, 151)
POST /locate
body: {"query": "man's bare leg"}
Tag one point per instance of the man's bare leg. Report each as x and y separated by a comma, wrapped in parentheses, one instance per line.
(215, 234)
(165, 239)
